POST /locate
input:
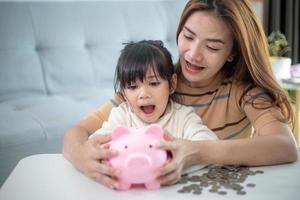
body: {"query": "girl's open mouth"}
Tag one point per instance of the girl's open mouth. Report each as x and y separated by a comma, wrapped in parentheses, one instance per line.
(149, 109)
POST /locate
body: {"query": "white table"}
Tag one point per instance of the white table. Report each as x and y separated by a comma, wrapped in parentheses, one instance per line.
(50, 176)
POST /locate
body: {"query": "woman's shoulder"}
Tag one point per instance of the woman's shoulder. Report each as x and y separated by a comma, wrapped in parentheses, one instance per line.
(179, 108)
(247, 93)
(247, 90)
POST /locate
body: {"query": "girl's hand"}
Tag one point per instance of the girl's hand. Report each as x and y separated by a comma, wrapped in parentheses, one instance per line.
(171, 171)
(93, 161)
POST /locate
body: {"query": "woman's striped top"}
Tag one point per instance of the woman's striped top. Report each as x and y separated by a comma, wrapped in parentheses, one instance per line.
(219, 107)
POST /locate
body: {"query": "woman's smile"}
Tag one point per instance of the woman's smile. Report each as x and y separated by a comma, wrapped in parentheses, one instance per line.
(190, 68)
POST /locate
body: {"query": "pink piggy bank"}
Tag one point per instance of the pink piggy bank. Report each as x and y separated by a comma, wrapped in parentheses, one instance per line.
(137, 156)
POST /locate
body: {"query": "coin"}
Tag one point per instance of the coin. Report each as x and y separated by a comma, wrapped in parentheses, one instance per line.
(183, 180)
(226, 177)
(213, 190)
(222, 192)
(250, 185)
(197, 192)
(259, 172)
(241, 192)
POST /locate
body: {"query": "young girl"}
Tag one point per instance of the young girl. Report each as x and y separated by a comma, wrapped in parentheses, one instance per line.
(145, 78)
(225, 74)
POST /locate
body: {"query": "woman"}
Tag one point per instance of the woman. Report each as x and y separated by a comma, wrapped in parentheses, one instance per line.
(224, 73)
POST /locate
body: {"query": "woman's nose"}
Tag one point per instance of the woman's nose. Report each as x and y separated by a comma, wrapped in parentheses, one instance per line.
(195, 55)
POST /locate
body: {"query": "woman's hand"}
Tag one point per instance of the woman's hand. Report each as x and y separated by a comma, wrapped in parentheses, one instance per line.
(180, 149)
(92, 160)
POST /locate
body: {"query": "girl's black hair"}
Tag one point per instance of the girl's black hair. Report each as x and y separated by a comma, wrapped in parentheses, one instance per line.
(137, 57)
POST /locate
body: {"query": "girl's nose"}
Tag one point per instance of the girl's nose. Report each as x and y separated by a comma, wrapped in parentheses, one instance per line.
(144, 93)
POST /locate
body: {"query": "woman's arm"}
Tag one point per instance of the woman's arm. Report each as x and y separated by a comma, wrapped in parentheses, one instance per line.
(274, 144)
(87, 157)
(76, 136)
(85, 154)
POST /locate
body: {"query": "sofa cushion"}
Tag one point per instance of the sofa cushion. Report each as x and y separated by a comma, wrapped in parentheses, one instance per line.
(58, 116)
(19, 127)
(66, 69)
(93, 96)
(42, 117)
(61, 46)
(20, 67)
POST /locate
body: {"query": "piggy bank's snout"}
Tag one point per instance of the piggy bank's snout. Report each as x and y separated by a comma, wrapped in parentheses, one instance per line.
(138, 161)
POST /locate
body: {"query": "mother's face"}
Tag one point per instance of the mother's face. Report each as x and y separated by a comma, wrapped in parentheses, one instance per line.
(204, 45)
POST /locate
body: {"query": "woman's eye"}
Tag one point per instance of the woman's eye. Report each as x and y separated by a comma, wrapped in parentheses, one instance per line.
(212, 49)
(188, 37)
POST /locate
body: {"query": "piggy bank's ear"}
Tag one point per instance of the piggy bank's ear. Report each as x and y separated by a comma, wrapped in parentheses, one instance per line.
(119, 131)
(155, 130)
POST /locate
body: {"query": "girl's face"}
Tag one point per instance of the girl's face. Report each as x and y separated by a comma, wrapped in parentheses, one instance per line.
(204, 45)
(148, 99)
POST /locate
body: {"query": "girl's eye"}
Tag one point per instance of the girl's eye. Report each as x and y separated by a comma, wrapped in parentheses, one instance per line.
(154, 83)
(150, 146)
(131, 87)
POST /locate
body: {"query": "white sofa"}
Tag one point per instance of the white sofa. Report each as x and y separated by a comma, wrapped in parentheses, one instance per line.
(57, 62)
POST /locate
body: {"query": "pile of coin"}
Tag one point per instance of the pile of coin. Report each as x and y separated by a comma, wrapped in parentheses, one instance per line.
(218, 179)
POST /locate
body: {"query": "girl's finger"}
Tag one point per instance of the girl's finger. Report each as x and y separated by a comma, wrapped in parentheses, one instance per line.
(170, 178)
(105, 154)
(99, 140)
(168, 136)
(167, 168)
(167, 145)
(106, 180)
(105, 169)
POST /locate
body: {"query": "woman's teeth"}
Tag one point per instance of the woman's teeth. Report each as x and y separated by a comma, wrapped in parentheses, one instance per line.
(193, 68)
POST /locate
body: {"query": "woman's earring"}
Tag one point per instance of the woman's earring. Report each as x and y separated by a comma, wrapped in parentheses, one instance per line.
(230, 59)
